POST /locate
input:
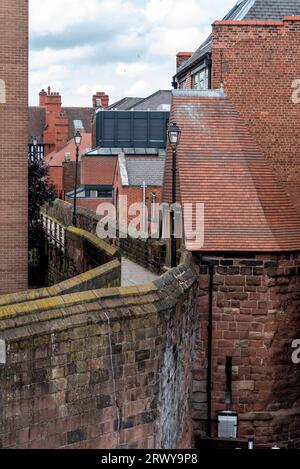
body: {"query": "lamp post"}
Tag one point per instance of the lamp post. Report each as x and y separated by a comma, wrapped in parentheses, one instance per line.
(34, 143)
(77, 140)
(174, 134)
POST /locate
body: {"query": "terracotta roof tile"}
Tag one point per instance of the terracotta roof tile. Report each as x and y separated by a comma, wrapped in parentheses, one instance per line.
(220, 165)
(56, 158)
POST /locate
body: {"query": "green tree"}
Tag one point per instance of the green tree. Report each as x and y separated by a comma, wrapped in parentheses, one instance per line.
(41, 191)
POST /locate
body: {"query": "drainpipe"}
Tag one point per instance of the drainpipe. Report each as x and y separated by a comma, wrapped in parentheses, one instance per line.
(208, 62)
(145, 228)
(209, 385)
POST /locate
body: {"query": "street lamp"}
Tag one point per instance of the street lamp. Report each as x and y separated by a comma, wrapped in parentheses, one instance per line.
(174, 134)
(77, 140)
(34, 143)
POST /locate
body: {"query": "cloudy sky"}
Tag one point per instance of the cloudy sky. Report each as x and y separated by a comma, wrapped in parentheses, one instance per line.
(123, 47)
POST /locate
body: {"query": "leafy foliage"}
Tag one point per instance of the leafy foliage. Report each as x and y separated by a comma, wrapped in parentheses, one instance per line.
(41, 191)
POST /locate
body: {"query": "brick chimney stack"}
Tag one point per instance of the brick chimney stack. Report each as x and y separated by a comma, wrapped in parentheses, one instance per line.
(100, 100)
(182, 57)
(42, 96)
(57, 124)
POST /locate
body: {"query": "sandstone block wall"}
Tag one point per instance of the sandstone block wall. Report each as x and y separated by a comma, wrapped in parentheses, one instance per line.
(149, 253)
(100, 369)
(256, 317)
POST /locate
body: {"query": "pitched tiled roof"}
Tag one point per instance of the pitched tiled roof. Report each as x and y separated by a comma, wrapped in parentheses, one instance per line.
(56, 158)
(220, 165)
(148, 170)
(37, 120)
(124, 104)
(248, 10)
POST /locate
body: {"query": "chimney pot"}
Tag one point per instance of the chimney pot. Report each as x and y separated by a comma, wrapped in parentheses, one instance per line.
(182, 57)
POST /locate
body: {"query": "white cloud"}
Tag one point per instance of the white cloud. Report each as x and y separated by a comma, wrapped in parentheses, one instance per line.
(123, 47)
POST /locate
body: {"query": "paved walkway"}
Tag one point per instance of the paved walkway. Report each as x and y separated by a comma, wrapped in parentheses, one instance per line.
(134, 274)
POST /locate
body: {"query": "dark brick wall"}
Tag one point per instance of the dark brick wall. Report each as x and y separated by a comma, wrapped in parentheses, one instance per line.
(256, 317)
(100, 369)
(68, 171)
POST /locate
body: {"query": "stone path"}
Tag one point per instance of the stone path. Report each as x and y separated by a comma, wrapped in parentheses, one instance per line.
(134, 274)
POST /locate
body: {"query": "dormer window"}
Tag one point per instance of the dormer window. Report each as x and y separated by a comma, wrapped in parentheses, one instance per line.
(200, 79)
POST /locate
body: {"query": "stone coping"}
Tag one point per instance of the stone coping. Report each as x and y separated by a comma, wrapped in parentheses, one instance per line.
(97, 242)
(24, 319)
(61, 288)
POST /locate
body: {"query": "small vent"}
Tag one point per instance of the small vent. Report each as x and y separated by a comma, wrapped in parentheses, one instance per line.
(227, 425)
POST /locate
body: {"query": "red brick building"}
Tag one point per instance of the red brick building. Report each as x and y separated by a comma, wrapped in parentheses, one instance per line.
(96, 181)
(238, 156)
(253, 54)
(54, 125)
(60, 161)
(140, 180)
(252, 239)
(13, 148)
(133, 127)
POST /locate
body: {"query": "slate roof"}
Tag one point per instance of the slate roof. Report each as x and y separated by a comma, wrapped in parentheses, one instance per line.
(154, 102)
(248, 10)
(85, 114)
(220, 165)
(37, 120)
(158, 101)
(149, 171)
(124, 104)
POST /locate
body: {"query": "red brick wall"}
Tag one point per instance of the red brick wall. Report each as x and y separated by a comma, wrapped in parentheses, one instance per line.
(256, 312)
(13, 148)
(68, 178)
(134, 195)
(260, 63)
(98, 170)
(56, 177)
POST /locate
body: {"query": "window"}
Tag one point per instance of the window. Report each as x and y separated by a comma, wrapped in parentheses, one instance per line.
(78, 125)
(200, 80)
(99, 194)
(105, 194)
